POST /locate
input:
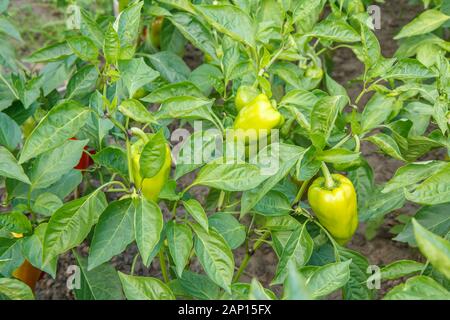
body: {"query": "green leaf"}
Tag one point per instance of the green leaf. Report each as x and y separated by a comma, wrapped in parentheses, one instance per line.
(10, 133)
(285, 158)
(83, 47)
(215, 256)
(113, 158)
(307, 13)
(230, 177)
(145, 288)
(59, 124)
(153, 156)
(10, 256)
(434, 190)
(434, 248)
(8, 28)
(387, 145)
(400, 268)
(434, 218)
(184, 88)
(90, 29)
(135, 74)
(337, 155)
(195, 209)
(171, 67)
(186, 107)
(323, 117)
(230, 20)
(274, 203)
(426, 22)
(229, 228)
(418, 288)
(298, 240)
(137, 111)
(127, 27)
(71, 224)
(82, 82)
(51, 53)
(101, 283)
(15, 222)
(111, 45)
(33, 247)
(356, 287)
(195, 32)
(376, 111)
(408, 69)
(179, 237)
(50, 166)
(14, 289)
(328, 278)
(10, 168)
(412, 173)
(257, 291)
(199, 286)
(148, 225)
(378, 204)
(113, 232)
(295, 285)
(335, 29)
(439, 114)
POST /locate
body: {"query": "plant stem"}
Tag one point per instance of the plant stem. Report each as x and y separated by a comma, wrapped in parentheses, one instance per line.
(302, 190)
(133, 265)
(220, 201)
(162, 262)
(329, 182)
(247, 257)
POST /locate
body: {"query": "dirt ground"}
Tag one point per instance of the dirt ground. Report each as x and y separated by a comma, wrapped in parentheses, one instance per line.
(380, 251)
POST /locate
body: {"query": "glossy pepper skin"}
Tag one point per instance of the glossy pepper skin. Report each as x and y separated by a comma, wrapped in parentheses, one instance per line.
(335, 208)
(27, 273)
(245, 95)
(258, 115)
(150, 187)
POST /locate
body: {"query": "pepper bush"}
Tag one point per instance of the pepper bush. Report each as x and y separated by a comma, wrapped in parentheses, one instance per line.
(116, 80)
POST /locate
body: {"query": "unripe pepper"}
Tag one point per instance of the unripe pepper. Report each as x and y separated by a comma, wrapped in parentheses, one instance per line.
(335, 207)
(27, 273)
(245, 95)
(258, 115)
(150, 187)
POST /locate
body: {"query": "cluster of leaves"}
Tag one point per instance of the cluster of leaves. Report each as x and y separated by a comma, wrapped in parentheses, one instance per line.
(115, 71)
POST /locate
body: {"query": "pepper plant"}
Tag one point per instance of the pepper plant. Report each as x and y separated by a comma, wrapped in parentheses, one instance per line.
(91, 154)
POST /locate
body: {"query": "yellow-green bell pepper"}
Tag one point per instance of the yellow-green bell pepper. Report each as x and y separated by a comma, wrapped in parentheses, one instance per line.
(150, 187)
(336, 207)
(258, 115)
(245, 95)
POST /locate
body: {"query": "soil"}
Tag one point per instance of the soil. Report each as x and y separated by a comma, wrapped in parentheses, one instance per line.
(380, 251)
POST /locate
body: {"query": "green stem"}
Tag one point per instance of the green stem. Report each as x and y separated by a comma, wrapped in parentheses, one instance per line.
(130, 161)
(247, 257)
(220, 201)
(302, 190)
(133, 265)
(329, 182)
(162, 262)
(358, 143)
